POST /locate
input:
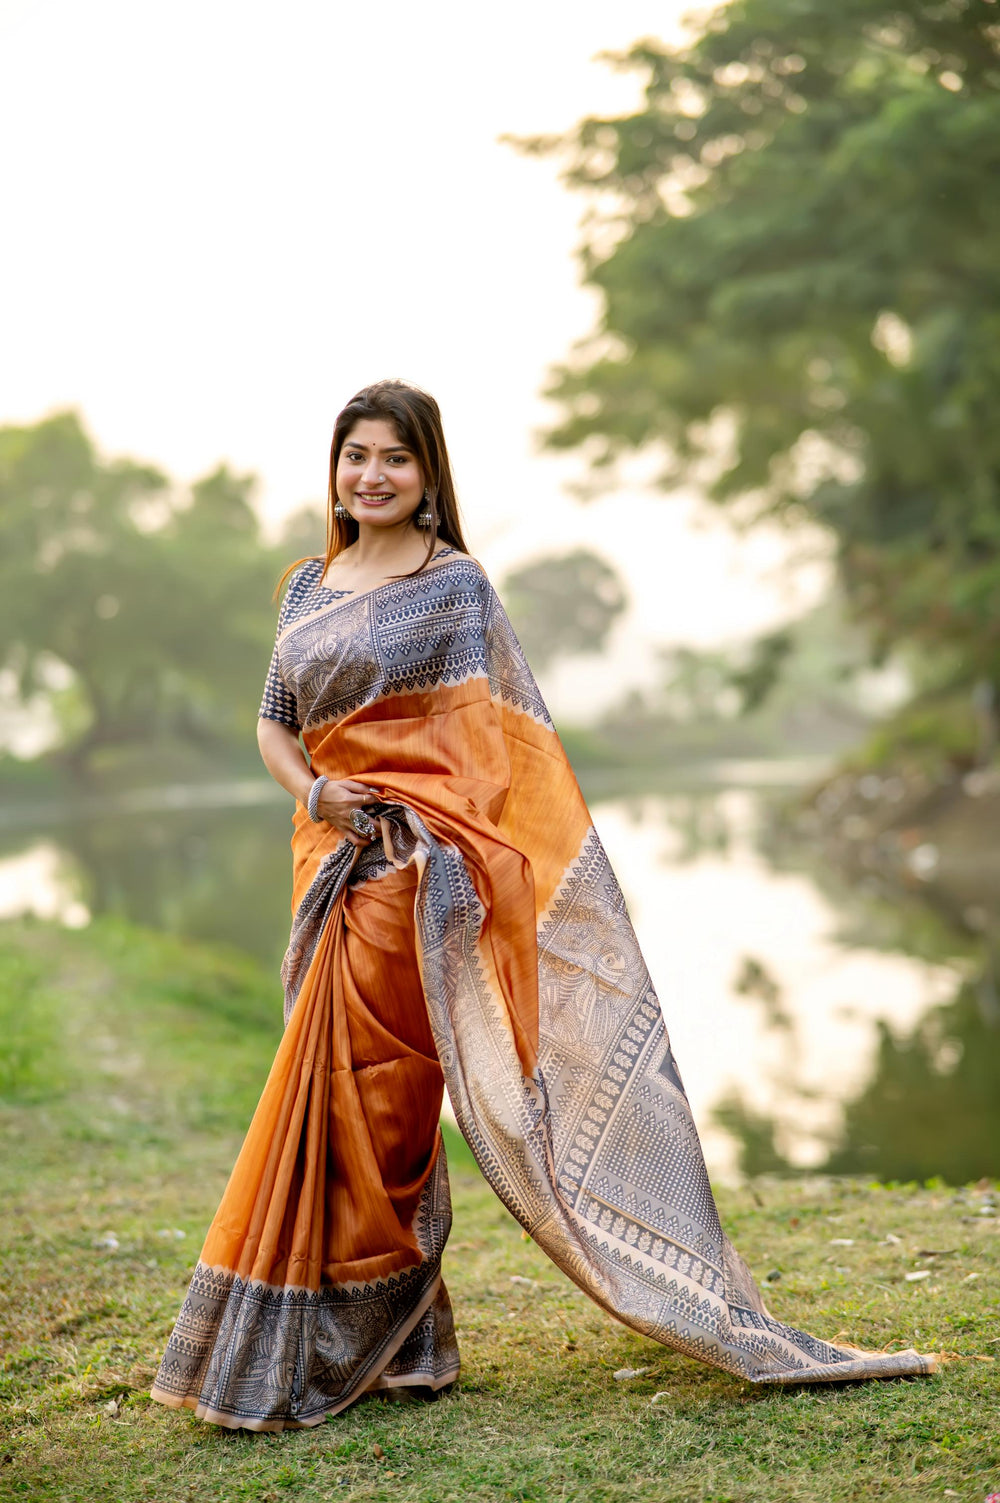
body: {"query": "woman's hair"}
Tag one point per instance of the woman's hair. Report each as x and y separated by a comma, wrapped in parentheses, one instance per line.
(416, 420)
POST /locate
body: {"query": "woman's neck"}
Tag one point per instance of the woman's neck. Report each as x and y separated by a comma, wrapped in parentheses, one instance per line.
(383, 551)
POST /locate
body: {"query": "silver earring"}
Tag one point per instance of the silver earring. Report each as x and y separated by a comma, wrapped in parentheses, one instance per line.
(340, 512)
(426, 517)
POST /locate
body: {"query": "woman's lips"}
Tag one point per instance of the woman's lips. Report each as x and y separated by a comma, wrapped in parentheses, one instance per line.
(381, 498)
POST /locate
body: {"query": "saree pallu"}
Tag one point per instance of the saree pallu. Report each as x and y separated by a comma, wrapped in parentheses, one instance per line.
(482, 941)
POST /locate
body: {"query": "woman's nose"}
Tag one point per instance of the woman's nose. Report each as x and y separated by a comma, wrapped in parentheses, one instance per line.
(372, 472)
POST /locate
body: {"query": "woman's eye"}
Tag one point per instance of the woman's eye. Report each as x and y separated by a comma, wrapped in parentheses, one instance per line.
(354, 456)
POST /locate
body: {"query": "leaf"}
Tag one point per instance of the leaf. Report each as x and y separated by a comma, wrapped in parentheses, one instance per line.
(377, 1451)
(912, 1278)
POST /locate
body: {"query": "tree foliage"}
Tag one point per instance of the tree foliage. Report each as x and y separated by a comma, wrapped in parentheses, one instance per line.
(564, 604)
(797, 239)
(154, 604)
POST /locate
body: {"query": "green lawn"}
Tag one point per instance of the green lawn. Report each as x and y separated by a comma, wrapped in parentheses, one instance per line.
(129, 1063)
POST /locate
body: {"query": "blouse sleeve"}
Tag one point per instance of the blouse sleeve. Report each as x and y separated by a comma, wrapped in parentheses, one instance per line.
(279, 701)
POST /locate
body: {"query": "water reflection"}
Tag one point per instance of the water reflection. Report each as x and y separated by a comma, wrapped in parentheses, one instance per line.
(821, 1017)
(774, 1017)
(930, 1102)
(220, 874)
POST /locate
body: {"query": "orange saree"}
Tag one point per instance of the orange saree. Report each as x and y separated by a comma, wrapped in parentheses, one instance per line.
(482, 941)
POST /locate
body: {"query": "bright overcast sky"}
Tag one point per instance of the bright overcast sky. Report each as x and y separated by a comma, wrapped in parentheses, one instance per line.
(225, 217)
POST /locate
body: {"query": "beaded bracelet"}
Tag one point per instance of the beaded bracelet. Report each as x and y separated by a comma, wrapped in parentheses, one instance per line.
(313, 804)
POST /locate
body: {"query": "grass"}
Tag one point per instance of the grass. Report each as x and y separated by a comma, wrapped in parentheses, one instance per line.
(131, 1062)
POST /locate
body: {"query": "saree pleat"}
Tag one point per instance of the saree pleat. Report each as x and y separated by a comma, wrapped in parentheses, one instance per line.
(483, 942)
(322, 1265)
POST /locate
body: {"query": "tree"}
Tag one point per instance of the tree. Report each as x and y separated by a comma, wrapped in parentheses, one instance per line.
(564, 604)
(950, 1063)
(303, 533)
(154, 604)
(797, 240)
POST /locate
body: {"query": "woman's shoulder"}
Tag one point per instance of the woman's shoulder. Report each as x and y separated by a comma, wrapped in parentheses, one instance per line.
(307, 572)
(302, 579)
(463, 576)
(462, 564)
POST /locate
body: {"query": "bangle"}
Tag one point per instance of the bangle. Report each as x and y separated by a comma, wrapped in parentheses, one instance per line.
(313, 805)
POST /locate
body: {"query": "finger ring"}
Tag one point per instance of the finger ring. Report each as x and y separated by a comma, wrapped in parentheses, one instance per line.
(362, 822)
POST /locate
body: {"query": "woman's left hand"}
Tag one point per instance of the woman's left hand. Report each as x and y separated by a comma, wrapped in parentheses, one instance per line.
(339, 800)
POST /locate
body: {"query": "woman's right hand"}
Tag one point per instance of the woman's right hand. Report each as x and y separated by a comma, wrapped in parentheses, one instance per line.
(337, 802)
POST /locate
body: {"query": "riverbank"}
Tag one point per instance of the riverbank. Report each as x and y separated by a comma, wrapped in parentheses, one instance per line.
(130, 1062)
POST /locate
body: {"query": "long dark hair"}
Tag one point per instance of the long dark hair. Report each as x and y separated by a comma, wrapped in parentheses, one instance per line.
(416, 419)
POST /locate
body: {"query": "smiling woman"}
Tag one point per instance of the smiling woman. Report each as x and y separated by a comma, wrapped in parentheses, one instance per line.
(389, 468)
(455, 921)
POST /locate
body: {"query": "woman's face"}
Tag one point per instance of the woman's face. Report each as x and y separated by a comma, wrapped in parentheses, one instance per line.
(371, 451)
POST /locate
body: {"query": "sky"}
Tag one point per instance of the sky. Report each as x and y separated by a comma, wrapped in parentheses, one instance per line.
(226, 217)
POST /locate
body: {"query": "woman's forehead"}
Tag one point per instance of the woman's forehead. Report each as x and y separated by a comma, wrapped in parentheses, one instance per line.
(376, 434)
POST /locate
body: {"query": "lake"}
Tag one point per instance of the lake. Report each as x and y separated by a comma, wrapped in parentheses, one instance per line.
(821, 1019)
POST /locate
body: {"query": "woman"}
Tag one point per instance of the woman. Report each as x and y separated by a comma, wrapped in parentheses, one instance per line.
(455, 920)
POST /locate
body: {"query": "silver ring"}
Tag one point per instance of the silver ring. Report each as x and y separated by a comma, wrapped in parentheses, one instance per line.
(362, 822)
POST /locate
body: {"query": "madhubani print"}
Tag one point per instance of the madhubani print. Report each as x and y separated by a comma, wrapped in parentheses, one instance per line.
(404, 637)
(428, 1358)
(511, 680)
(304, 596)
(442, 626)
(273, 1358)
(597, 1156)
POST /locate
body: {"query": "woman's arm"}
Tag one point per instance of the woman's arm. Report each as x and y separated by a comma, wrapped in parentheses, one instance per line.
(285, 761)
(284, 758)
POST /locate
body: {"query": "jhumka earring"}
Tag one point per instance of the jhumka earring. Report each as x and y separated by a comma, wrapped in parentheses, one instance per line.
(425, 518)
(340, 512)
